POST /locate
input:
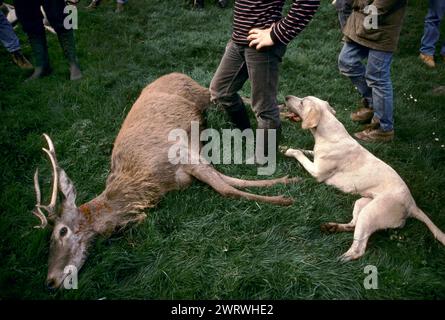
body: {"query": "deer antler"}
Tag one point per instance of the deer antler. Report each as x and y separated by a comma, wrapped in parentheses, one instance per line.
(51, 207)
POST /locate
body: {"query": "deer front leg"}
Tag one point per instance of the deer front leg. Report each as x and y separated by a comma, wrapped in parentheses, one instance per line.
(305, 162)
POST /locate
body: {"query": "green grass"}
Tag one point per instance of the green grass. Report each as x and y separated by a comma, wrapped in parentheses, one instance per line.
(197, 244)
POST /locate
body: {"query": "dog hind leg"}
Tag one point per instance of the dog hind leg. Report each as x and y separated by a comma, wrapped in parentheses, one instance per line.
(346, 227)
(374, 216)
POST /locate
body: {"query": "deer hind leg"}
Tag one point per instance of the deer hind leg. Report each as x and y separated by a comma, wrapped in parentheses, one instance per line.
(209, 175)
(241, 183)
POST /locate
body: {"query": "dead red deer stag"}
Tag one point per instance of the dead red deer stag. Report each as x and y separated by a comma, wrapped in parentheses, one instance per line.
(140, 174)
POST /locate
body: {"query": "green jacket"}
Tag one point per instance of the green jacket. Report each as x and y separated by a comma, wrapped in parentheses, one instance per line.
(385, 37)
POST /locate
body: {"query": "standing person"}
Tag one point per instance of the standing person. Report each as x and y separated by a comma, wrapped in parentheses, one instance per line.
(120, 5)
(258, 43)
(10, 41)
(372, 81)
(431, 33)
(31, 18)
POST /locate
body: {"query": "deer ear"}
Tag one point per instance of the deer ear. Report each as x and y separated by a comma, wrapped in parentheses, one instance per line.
(312, 118)
(67, 188)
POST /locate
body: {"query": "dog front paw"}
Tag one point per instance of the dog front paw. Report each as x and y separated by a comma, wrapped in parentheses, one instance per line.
(283, 149)
(288, 152)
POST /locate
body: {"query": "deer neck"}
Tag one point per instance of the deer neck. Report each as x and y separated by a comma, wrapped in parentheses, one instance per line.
(100, 215)
(104, 215)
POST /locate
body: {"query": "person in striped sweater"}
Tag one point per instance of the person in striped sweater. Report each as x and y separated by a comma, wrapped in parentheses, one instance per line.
(258, 43)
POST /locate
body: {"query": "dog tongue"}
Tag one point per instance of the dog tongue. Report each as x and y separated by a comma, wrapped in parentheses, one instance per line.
(292, 117)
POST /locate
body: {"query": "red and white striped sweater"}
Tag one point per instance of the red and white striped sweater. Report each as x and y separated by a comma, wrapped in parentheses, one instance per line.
(262, 14)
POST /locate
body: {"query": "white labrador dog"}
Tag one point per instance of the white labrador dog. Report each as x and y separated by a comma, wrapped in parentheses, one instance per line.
(341, 161)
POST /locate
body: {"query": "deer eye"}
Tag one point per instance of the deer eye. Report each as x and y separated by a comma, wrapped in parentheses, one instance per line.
(63, 231)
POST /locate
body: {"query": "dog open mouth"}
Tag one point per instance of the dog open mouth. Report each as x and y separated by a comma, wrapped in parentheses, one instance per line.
(291, 116)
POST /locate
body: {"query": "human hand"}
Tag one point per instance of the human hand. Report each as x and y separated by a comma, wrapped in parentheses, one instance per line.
(259, 38)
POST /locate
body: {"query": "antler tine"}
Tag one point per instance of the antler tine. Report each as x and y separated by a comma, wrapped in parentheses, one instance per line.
(38, 212)
(51, 152)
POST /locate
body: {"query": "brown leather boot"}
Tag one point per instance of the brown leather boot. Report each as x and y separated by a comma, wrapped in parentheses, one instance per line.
(20, 60)
(363, 113)
(428, 60)
(375, 135)
(375, 124)
(94, 4)
(119, 8)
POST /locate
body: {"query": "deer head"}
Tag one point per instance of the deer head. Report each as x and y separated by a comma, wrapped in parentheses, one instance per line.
(71, 231)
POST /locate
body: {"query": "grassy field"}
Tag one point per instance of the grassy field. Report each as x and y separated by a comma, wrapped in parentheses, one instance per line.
(197, 244)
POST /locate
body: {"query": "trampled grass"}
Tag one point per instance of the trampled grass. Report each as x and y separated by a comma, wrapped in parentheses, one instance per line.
(197, 244)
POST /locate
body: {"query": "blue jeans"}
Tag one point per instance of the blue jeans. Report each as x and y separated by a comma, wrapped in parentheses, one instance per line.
(7, 35)
(372, 81)
(431, 32)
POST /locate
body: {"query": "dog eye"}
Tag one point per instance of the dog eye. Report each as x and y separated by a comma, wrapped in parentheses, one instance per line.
(63, 231)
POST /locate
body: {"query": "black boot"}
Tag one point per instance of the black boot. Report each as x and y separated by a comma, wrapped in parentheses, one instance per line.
(262, 148)
(198, 4)
(66, 40)
(238, 115)
(222, 3)
(41, 61)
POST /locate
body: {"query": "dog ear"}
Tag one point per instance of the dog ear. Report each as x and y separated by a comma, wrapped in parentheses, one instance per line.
(312, 118)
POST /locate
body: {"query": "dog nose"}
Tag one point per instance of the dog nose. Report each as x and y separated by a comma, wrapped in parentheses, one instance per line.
(287, 98)
(51, 284)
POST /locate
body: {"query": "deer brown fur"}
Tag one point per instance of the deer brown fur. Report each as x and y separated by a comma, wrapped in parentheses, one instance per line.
(140, 174)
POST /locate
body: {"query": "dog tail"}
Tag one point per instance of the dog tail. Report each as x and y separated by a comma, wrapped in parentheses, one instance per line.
(417, 213)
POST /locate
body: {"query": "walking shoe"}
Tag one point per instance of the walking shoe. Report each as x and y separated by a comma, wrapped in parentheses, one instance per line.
(428, 60)
(375, 135)
(93, 4)
(439, 91)
(119, 7)
(20, 60)
(375, 124)
(364, 113)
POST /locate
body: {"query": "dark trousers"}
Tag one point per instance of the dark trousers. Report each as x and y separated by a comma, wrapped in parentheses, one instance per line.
(240, 63)
(31, 18)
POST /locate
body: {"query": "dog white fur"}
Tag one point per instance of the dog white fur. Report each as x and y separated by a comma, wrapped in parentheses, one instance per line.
(341, 161)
